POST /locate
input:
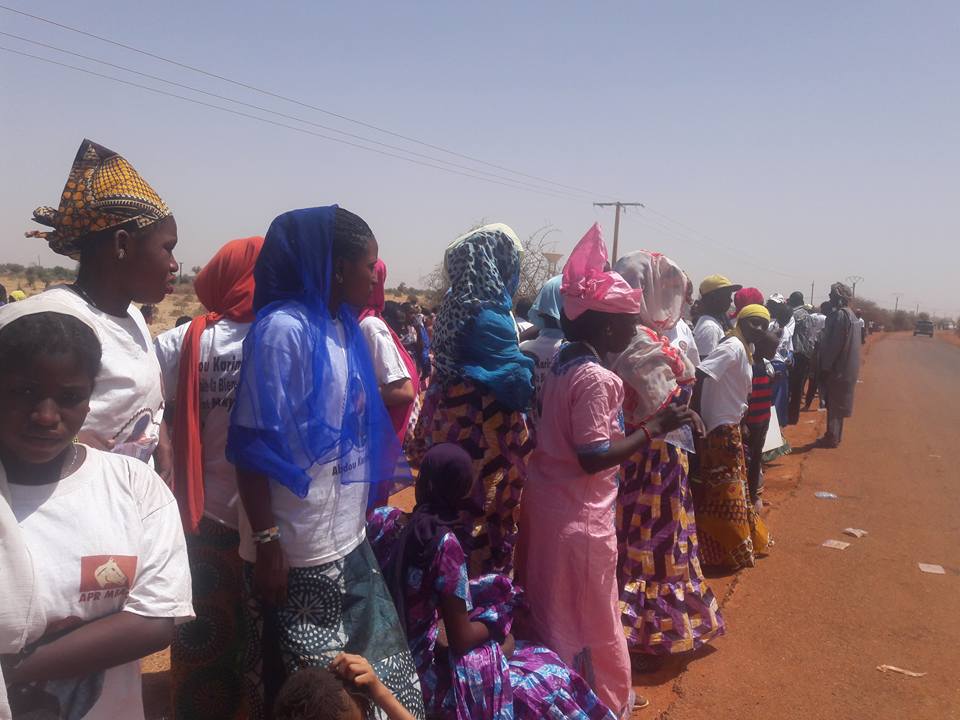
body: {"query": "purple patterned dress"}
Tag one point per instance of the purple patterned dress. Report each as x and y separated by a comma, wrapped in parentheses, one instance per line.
(482, 684)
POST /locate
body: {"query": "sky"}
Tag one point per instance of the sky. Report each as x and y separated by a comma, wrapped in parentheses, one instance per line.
(780, 144)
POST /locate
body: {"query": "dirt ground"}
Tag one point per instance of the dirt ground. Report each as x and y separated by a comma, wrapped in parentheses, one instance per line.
(807, 628)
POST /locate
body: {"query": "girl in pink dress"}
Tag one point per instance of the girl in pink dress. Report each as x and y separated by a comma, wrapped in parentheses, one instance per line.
(568, 545)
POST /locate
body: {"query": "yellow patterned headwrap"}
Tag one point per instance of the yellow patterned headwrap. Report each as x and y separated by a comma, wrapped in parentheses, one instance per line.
(750, 311)
(102, 191)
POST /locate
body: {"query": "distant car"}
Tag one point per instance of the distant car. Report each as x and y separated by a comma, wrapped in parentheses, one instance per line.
(923, 327)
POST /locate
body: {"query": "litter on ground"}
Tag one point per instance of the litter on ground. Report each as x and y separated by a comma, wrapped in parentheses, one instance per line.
(824, 495)
(855, 532)
(932, 569)
(895, 669)
(836, 544)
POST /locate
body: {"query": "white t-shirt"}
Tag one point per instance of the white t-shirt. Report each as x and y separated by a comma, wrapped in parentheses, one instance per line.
(681, 337)
(221, 356)
(707, 334)
(330, 521)
(387, 361)
(544, 349)
(727, 386)
(785, 348)
(104, 539)
(127, 402)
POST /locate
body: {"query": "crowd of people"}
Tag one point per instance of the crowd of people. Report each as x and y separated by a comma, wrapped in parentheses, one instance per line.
(577, 460)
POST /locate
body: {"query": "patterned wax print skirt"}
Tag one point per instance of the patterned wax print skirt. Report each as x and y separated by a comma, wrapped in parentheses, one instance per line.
(207, 654)
(342, 606)
(496, 438)
(666, 605)
(730, 532)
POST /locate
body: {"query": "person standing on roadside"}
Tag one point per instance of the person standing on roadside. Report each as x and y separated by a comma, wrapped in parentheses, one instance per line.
(804, 341)
(839, 363)
(716, 296)
(123, 236)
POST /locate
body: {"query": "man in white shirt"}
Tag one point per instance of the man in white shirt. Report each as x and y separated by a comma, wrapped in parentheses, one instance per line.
(716, 297)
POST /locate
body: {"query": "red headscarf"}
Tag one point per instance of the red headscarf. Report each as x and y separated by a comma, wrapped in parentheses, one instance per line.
(399, 414)
(225, 287)
(746, 296)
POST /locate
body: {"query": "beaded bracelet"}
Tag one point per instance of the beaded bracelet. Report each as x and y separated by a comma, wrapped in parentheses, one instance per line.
(262, 537)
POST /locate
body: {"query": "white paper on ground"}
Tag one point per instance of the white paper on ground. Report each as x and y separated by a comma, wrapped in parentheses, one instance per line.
(932, 569)
(836, 544)
(895, 669)
(855, 532)
(824, 495)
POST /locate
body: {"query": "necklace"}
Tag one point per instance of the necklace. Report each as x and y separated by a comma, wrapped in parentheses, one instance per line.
(82, 293)
(70, 467)
(592, 349)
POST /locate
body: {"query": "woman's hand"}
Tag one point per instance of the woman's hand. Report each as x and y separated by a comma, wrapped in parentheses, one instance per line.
(672, 417)
(270, 573)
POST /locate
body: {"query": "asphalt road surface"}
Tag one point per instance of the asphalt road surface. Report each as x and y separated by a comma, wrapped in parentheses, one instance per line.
(809, 625)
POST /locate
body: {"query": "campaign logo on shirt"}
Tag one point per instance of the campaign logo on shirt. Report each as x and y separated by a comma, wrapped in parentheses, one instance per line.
(106, 576)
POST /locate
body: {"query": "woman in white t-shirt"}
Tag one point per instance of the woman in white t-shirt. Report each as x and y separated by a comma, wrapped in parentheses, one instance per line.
(731, 533)
(123, 235)
(110, 567)
(308, 434)
(201, 367)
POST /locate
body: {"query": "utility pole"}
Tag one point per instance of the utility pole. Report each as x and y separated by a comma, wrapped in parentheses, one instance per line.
(616, 222)
(181, 273)
(811, 293)
(896, 305)
(853, 280)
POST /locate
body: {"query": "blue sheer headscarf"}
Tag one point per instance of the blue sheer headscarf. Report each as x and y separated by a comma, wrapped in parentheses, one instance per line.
(475, 333)
(549, 303)
(283, 420)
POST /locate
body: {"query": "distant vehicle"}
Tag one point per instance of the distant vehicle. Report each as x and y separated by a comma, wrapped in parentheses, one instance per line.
(923, 327)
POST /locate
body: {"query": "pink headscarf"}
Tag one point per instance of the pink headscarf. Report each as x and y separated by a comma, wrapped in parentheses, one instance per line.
(664, 286)
(587, 285)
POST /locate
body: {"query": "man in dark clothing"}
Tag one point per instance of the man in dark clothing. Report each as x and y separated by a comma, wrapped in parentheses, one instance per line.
(804, 340)
(839, 363)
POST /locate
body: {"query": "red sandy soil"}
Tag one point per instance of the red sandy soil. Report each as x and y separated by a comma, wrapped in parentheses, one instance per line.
(808, 626)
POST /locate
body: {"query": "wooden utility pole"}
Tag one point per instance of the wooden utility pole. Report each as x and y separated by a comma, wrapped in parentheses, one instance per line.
(811, 295)
(616, 222)
(853, 280)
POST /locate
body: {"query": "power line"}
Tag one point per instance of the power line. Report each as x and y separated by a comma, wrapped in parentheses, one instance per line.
(280, 124)
(288, 99)
(285, 115)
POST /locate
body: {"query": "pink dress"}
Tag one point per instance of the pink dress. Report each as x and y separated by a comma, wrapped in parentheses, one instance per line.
(568, 541)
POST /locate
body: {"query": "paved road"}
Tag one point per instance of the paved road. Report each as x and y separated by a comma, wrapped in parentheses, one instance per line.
(809, 625)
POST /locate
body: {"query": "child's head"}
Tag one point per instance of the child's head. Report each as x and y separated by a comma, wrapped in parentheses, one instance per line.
(316, 694)
(446, 477)
(48, 363)
(766, 345)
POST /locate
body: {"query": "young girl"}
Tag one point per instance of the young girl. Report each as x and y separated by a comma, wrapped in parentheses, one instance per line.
(309, 434)
(123, 235)
(103, 531)
(480, 672)
(344, 691)
(568, 538)
(201, 366)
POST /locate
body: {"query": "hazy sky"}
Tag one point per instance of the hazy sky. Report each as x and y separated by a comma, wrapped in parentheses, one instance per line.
(795, 142)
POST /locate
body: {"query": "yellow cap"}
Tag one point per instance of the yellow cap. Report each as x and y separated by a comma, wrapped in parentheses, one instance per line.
(717, 282)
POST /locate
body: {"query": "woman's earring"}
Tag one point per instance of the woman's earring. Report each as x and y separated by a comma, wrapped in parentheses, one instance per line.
(121, 254)
(339, 278)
